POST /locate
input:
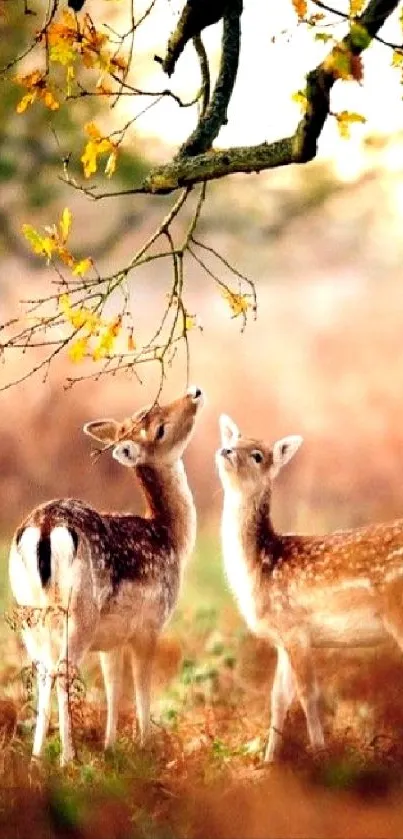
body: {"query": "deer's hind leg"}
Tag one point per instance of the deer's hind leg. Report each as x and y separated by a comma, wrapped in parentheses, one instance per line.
(282, 695)
(112, 666)
(44, 687)
(76, 642)
(38, 644)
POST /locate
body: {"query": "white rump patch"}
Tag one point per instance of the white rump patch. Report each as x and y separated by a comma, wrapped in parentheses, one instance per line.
(24, 578)
(24, 575)
(61, 546)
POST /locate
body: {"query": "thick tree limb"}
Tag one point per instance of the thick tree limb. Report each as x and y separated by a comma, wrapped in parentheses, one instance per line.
(213, 165)
(184, 171)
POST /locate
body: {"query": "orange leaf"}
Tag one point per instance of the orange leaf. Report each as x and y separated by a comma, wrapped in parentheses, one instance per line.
(131, 344)
(301, 7)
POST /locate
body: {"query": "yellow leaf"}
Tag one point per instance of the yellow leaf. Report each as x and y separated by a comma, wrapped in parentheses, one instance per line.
(89, 158)
(82, 267)
(48, 246)
(78, 318)
(65, 223)
(190, 322)
(62, 52)
(78, 349)
(301, 99)
(397, 59)
(104, 347)
(64, 304)
(356, 7)
(96, 146)
(344, 121)
(111, 163)
(26, 100)
(70, 73)
(43, 245)
(238, 303)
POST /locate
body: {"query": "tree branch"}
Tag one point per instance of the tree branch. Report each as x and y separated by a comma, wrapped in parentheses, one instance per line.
(299, 148)
(217, 164)
(215, 115)
(196, 15)
(321, 80)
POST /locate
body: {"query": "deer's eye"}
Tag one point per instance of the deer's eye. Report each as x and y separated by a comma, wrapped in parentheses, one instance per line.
(160, 432)
(257, 456)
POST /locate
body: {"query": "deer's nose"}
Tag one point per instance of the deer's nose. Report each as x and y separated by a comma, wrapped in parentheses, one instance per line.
(195, 392)
(226, 452)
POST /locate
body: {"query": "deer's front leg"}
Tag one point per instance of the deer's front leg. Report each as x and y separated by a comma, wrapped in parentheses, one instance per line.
(282, 695)
(143, 654)
(111, 664)
(299, 650)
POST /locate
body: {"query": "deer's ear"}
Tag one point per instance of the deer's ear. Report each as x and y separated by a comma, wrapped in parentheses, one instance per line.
(105, 431)
(284, 450)
(229, 430)
(128, 453)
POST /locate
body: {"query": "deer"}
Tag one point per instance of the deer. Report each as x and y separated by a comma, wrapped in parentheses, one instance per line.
(88, 581)
(301, 592)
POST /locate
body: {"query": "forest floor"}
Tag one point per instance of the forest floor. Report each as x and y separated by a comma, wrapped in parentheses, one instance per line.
(201, 775)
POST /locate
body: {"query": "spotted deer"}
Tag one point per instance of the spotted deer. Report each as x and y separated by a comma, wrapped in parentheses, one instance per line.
(344, 589)
(106, 581)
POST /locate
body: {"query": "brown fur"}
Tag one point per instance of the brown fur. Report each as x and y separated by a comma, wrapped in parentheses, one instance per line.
(117, 576)
(341, 589)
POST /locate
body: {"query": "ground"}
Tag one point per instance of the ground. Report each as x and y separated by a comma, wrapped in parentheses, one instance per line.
(202, 772)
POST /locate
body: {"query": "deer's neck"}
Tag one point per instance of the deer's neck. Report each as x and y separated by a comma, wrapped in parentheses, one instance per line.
(169, 503)
(250, 547)
(250, 519)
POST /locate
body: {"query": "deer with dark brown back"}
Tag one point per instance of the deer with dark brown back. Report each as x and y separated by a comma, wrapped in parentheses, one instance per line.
(344, 589)
(106, 581)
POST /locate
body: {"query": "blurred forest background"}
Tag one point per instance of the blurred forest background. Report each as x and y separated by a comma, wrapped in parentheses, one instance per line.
(323, 359)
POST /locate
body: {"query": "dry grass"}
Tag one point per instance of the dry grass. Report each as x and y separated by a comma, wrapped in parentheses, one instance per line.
(202, 775)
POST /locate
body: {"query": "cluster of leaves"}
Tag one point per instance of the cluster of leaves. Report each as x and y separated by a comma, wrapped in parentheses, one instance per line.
(54, 243)
(98, 336)
(93, 335)
(72, 38)
(72, 43)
